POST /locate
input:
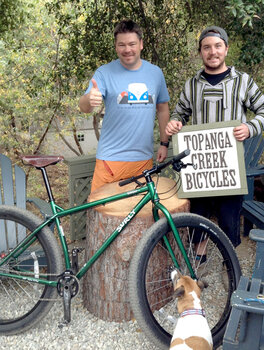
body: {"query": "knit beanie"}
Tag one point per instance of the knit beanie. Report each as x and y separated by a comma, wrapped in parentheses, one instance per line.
(214, 31)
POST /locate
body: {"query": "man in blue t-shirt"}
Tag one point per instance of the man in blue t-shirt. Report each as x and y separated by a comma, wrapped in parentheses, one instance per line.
(133, 91)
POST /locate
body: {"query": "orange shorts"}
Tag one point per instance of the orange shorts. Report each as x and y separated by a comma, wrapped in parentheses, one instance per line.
(112, 171)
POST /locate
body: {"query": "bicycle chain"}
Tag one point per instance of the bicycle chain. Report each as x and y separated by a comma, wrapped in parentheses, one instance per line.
(31, 274)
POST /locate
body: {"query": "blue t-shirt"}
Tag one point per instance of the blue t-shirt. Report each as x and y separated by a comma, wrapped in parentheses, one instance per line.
(130, 98)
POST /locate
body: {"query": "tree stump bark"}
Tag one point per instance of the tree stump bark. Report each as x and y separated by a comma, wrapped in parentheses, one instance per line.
(105, 290)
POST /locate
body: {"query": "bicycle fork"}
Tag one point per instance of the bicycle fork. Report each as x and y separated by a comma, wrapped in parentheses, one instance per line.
(159, 206)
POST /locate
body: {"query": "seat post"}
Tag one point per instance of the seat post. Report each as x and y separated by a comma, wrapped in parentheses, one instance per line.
(47, 184)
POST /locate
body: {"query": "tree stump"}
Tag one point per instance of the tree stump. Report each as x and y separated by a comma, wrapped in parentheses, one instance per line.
(105, 290)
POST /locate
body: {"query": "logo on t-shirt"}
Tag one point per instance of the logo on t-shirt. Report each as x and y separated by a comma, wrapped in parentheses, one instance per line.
(137, 93)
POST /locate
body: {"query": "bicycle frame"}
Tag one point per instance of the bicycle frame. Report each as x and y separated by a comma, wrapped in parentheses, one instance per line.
(150, 195)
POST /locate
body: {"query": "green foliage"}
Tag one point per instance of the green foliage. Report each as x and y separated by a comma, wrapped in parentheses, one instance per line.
(12, 15)
(246, 29)
(32, 93)
(246, 11)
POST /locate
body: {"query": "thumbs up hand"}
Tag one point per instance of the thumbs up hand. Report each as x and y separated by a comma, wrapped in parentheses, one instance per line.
(95, 95)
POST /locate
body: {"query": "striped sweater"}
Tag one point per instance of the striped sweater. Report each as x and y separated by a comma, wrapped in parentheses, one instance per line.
(228, 100)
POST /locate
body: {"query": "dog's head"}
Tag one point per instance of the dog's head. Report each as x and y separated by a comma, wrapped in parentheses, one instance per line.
(185, 284)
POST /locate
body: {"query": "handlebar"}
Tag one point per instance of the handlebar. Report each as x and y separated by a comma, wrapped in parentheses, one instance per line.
(175, 161)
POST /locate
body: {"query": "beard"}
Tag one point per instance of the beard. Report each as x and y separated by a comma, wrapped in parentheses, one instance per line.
(213, 68)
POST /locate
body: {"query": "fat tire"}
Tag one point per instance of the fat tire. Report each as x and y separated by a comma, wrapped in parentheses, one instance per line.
(49, 245)
(137, 275)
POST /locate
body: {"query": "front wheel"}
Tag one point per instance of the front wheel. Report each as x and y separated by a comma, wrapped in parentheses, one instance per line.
(24, 303)
(150, 285)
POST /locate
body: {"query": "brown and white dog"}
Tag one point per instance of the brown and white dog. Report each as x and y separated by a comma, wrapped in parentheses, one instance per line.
(192, 331)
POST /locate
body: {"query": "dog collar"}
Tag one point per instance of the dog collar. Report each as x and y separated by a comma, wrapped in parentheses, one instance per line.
(199, 312)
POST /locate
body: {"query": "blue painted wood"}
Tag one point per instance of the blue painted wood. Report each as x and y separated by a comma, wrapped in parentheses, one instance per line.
(20, 187)
(254, 212)
(254, 148)
(7, 179)
(8, 191)
(230, 341)
(258, 270)
(13, 192)
(20, 190)
(245, 328)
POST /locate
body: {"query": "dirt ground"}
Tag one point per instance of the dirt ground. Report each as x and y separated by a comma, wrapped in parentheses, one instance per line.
(246, 253)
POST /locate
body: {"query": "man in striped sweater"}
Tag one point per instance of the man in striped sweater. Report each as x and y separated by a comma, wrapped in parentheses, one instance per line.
(219, 93)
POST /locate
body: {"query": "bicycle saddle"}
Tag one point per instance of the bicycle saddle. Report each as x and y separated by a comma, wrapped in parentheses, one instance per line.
(42, 161)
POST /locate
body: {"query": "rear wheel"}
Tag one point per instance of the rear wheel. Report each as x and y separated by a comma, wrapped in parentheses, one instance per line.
(151, 291)
(24, 303)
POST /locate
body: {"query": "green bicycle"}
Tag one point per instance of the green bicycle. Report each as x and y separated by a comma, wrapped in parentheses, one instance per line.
(33, 275)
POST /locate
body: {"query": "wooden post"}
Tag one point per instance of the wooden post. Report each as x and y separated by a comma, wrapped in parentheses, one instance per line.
(105, 291)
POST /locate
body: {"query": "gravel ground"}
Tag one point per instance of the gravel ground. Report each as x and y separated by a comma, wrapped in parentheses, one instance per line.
(87, 332)
(84, 332)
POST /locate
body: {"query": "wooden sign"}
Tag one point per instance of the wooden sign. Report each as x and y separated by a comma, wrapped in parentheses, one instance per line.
(218, 160)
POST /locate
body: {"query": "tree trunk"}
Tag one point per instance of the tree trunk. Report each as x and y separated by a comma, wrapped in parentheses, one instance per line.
(105, 291)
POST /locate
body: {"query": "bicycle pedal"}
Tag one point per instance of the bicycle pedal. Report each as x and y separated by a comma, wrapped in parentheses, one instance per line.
(75, 262)
(77, 250)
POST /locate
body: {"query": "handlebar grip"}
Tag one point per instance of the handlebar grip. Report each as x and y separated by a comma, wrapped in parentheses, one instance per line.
(131, 179)
(181, 155)
(125, 182)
